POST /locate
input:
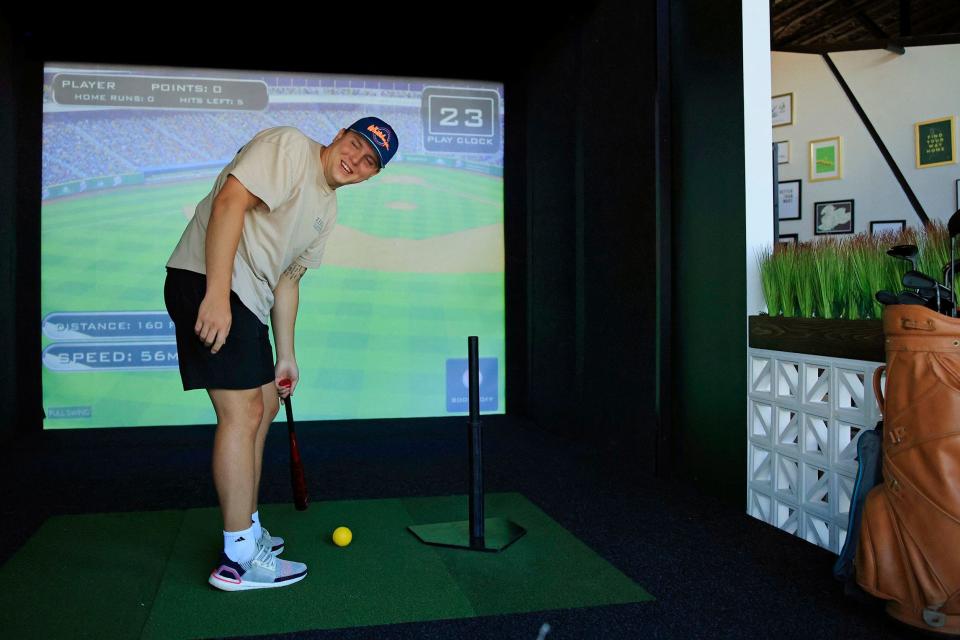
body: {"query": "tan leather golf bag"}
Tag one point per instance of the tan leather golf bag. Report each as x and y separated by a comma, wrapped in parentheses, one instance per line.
(909, 550)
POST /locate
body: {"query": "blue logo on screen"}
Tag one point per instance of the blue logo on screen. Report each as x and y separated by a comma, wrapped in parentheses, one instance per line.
(458, 385)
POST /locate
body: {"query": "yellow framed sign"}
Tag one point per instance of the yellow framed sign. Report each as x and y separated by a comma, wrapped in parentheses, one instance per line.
(826, 159)
(935, 142)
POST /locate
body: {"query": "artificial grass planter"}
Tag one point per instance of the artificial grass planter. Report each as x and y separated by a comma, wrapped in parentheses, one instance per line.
(838, 278)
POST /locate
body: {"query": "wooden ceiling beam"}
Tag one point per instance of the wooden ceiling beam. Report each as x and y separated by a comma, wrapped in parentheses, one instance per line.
(824, 34)
(792, 9)
(906, 18)
(868, 23)
(813, 26)
(817, 8)
(865, 45)
(814, 31)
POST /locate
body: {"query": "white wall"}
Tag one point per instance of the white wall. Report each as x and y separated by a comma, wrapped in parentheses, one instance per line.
(757, 142)
(895, 92)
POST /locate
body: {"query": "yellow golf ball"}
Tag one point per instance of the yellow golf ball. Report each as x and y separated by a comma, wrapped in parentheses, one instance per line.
(342, 536)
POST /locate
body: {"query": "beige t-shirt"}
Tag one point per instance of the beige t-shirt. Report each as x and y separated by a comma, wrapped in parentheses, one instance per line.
(281, 166)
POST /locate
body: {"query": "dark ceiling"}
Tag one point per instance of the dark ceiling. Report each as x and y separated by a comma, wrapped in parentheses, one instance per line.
(821, 26)
(343, 38)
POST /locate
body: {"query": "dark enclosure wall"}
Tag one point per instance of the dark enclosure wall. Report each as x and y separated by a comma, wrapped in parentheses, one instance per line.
(415, 47)
(709, 245)
(592, 231)
(8, 181)
(580, 210)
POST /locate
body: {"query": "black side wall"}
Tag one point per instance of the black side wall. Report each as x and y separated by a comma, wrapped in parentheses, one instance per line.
(581, 217)
(709, 245)
(28, 38)
(8, 198)
(591, 231)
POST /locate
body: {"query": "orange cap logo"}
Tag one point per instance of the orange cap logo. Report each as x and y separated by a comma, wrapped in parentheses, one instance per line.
(380, 135)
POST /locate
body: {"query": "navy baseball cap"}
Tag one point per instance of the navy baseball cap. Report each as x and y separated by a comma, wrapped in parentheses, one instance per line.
(379, 134)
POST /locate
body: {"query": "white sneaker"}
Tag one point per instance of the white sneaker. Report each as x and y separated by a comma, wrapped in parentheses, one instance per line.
(274, 543)
(264, 571)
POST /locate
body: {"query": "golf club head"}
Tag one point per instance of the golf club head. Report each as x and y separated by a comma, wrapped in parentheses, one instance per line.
(910, 297)
(915, 280)
(953, 226)
(906, 252)
(886, 297)
(930, 300)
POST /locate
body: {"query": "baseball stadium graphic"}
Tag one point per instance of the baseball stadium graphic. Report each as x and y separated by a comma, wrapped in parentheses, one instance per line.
(415, 264)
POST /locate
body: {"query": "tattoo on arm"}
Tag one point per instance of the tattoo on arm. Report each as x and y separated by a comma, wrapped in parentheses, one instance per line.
(295, 272)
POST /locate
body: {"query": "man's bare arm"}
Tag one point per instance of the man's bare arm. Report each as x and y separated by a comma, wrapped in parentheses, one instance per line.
(223, 237)
(294, 272)
(223, 233)
(286, 299)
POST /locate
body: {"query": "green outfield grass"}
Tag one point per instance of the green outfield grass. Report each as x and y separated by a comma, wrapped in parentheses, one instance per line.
(369, 344)
(447, 200)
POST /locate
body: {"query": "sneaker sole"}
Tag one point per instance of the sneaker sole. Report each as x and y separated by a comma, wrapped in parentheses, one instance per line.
(229, 585)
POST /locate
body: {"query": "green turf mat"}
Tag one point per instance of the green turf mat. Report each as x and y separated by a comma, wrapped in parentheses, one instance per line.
(87, 576)
(385, 576)
(548, 568)
(381, 578)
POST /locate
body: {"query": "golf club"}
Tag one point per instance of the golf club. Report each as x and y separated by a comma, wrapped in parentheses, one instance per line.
(953, 228)
(885, 297)
(909, 297)
(946, 273)
(926, 287)
(906, 252)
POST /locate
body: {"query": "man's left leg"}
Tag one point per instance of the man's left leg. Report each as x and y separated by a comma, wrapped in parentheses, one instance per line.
(271, 406)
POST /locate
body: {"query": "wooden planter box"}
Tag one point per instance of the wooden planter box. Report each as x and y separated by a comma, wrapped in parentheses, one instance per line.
(852, 339)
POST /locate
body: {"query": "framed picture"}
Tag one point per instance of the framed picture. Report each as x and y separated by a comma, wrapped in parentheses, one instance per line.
(826, 162)
(783, 152)
(782, 109)
(833, 217)
(788, 200)
(887, 226)
(788, 239)
(935, 142)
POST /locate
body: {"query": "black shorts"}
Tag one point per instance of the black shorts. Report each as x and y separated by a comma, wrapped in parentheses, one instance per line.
(245, 361)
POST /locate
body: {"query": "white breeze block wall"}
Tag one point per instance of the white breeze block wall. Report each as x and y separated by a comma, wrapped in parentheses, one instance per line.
(804, 416)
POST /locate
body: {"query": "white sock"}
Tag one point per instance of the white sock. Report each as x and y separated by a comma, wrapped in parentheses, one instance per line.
(240, 546)
(257, 529)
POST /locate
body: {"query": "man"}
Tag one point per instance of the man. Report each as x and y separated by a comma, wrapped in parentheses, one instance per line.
(239, 261)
